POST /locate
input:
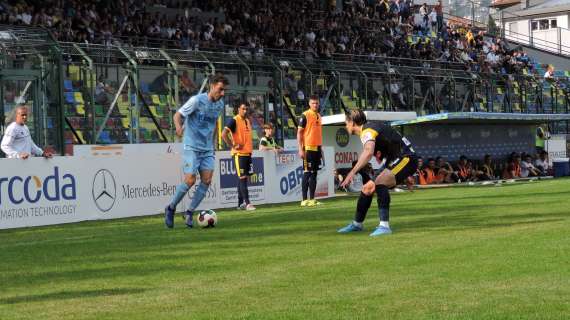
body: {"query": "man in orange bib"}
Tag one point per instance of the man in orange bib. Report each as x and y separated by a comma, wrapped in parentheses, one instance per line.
(310, 139)
(238, 134)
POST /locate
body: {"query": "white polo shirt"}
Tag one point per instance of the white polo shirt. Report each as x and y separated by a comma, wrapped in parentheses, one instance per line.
(17, 139)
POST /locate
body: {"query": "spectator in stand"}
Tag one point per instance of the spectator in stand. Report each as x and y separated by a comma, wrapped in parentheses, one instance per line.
(513, 168)
(424, 13)
(103, 91)
(17, 141)
(430, 173)
(528, 169)
(439, 10)
(187, 85)
(444, 171)
(488, 172)
(419, 176)
(542, 163)
(433, 20)
(549, 74)
(463, 169)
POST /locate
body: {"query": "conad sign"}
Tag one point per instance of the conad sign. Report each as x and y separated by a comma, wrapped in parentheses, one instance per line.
(346, 147)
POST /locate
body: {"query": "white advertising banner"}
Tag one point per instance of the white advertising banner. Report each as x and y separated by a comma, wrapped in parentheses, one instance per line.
(556, 148)
(37, 191)
(346, 147)
(287, 173)
(87, 150)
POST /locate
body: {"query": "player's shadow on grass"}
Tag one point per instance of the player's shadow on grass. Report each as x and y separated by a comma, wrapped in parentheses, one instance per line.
(70, 276)
(65, 295)
(459, 221)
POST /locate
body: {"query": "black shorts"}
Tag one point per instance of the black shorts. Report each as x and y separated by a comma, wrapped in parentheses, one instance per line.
(243, 165)
(312, 161)
(403, 167)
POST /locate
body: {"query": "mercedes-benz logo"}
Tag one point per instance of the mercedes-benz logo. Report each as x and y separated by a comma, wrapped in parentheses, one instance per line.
(104, 190)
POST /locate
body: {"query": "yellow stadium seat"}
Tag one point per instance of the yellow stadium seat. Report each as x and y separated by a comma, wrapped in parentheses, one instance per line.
(80, 109)
(349, 103)
(153, 111)
(80, 135)
(78, 97)
(155, 99)
(74, 72)
(290, 123)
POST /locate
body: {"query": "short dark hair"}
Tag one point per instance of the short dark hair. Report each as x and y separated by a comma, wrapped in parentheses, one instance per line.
(238, 105)
(219, 78)
(314, 97)
(462, 157)
(268, 126)
(357, 116)
(431, 159)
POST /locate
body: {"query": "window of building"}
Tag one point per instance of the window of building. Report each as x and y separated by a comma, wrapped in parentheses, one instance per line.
(543, 24)
(553, 23)
(534, 25)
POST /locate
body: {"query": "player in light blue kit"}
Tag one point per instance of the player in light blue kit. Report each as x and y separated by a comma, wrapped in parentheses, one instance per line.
(197, 119)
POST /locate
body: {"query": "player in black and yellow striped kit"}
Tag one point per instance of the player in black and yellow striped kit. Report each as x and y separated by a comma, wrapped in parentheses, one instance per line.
(401, 162)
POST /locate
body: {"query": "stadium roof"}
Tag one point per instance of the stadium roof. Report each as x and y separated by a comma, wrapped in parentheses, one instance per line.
(547, 7)
(504, 3)
(484, 117)
(372, 116)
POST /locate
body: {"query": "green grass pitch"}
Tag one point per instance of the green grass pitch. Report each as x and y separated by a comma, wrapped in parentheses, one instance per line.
(458, 253)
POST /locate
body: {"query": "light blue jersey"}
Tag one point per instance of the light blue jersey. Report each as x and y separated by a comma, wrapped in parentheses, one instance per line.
(200, 116)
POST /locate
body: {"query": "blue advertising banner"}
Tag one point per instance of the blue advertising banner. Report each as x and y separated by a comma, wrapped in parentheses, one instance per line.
(229, 180)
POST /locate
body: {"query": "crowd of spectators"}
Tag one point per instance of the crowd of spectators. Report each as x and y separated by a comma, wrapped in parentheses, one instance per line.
(435, 171)
(438, 171)
(378, 28)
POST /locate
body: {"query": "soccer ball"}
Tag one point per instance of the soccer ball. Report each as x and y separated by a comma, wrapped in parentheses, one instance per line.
(207, 219)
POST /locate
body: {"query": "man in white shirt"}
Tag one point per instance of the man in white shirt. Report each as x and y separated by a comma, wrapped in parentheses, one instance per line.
(528, 169)
(17, 141)
(542, 163)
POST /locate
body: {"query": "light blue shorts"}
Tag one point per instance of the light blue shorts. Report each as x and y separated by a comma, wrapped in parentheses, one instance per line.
(196, 161)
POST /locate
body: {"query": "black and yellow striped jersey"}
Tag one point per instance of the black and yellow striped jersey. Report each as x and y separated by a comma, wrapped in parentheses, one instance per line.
(387, 140)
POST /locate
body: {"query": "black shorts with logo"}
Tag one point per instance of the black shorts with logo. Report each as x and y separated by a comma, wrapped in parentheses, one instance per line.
(312, 161)
(243, 165)
(403, 167)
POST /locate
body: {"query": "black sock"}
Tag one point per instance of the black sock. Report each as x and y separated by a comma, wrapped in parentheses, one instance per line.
(305, 184)
(383, 202)
(240, 197)
(312, 185)
(244, 191)
(362, 207)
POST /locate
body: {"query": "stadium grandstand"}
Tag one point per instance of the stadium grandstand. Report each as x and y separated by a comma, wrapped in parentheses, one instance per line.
(112, 73)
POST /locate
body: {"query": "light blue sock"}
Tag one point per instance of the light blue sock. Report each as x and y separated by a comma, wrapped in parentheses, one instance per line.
(181, 191)
(198, 196)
